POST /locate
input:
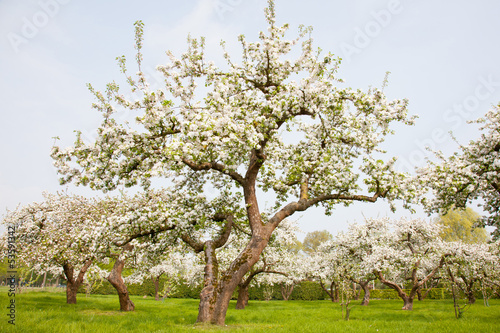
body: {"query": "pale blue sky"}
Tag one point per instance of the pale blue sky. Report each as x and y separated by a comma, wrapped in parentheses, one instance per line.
(443, 57)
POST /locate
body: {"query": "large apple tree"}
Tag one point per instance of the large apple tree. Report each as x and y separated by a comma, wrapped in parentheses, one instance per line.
(278, 119)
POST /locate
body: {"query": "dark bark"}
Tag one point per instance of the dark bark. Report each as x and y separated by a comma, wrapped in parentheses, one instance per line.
(71, 289)
(469, 289)
(407, 299)
(416, 285)
(231, 278)
(467, 286)
(116, 280)
(365, 287)
(73, 282)
(244, 285)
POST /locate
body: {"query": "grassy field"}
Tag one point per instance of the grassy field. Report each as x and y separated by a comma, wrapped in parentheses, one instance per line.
(47, 312)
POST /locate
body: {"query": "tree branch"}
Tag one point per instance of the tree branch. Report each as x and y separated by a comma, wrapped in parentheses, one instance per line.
(143, 234)
(226, 230)
(214, 166)
(304, 204)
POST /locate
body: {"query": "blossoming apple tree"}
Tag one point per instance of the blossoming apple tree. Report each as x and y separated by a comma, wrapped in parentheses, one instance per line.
(411, 254)
(468, 175)
(235, 137)
(471, 267)
(354, 248)
(58, 233)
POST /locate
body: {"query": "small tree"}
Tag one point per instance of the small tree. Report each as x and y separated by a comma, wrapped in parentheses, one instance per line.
(354, 249)
(58, 232)
(411, 254)
(467, 265)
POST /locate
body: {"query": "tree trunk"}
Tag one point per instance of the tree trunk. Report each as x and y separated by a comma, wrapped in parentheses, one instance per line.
(471, 297)
(469, 289)
(419, 295)
(208, 294)
(336, 296)
(71, 289)
(286, 291)
(243, 297)
(234, 274)
(417, 284)
(407, 300)
(333, 293)
(73, 282)
(116, 280)
(407, 303)
(44, 280)
(365, 285)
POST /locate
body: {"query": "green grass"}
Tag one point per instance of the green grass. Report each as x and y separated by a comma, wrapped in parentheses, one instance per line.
(48, 312)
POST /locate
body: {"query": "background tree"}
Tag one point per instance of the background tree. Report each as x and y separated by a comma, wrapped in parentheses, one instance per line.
(468, 264)
(470, 174)
(314, 239)
(354, 248)
(326, 268)
(59, 232)
(234, 137)
(411, 254)
(461, 225)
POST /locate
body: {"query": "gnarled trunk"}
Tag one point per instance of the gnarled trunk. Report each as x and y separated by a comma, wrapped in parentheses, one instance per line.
(407, 302)
(419, 295)
(234, 274)
(366, 289)
(208, 296)
(417, 284)
(116, 280)
(407, 299)
(71, 290)
(469, 289)
(73, 282)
